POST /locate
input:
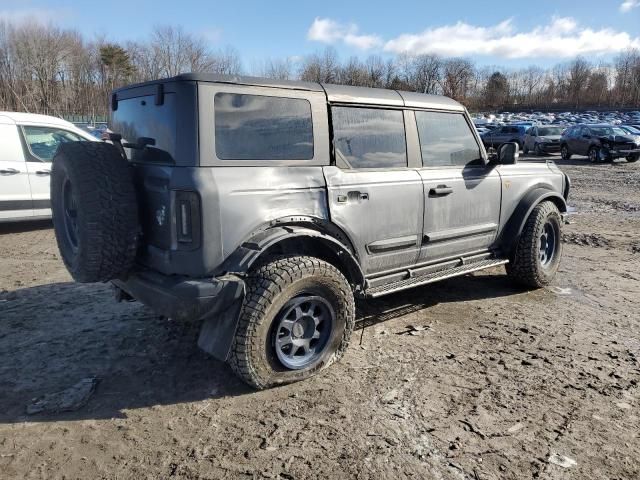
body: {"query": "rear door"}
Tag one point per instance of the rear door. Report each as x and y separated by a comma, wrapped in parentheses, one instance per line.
(373, 195)
(42, 143)
(462, 194)
(15, 193)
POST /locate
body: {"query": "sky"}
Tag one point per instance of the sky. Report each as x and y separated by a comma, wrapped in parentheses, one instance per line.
(512, 34)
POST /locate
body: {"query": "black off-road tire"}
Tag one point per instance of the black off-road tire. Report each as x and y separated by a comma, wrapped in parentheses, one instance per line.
(633, 158)
(525, 265)
(269, 287)
(565, 154)
(537, 150)
(99, 241)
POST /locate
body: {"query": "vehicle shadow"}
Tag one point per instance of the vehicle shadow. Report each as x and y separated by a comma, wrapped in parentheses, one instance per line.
(25, 226)
(53, 336)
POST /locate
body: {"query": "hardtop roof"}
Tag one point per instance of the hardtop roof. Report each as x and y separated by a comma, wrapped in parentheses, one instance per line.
(334, 93)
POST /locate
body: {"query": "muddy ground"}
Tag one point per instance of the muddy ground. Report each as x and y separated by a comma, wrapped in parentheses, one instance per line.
(471, 378)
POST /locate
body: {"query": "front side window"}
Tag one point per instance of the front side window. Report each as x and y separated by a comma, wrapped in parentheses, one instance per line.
(369, 137)
(256, 127)
(446, 139)
(44, 141)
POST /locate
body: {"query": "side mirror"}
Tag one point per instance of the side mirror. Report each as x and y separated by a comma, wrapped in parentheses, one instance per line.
(508, 153)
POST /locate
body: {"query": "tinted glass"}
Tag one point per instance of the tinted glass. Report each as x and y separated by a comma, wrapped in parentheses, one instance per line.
(255, 127)
(141, 117)
(446, 139)
(44, 141)
(369, 137)
(543, 131)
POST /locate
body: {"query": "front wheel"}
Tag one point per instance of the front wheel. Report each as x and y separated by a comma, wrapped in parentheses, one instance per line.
(537, 255)
(296, 320)
(633, 158)
(564, 153)
(538, 151)
(594, 154)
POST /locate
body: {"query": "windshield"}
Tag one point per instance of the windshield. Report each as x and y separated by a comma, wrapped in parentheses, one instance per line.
(546, 131)
(605, 131)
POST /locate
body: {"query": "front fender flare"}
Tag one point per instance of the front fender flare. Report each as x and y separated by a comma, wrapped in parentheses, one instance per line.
(515, 225)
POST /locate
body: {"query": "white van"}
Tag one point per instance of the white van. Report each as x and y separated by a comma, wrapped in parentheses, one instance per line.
(28, 143)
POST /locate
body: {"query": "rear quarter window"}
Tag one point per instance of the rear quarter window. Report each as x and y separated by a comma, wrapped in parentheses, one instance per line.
(259, 127)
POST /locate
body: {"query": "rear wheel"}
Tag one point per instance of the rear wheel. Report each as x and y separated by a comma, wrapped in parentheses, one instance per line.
(296, 320)
(537, 255)
(564, 152)
(633, 157)
(594, 154)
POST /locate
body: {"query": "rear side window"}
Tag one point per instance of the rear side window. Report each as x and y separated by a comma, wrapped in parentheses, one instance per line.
(257, 127)
(369, 137)
(140, 117)
(43, 142)
(446, 139)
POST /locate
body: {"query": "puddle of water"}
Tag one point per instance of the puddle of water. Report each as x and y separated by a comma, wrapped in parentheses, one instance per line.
(560, 290)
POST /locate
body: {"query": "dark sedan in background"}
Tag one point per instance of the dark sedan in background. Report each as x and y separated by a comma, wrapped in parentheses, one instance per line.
(601, 143)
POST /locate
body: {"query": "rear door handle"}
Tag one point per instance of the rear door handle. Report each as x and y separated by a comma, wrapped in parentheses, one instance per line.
(8, 171)
(43, 172)
(440, 191)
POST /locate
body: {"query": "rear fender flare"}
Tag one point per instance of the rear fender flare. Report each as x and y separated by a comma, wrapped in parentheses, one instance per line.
(266, 240)
(515, 225)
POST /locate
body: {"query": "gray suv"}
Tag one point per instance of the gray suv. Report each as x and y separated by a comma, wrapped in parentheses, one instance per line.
(264, 208)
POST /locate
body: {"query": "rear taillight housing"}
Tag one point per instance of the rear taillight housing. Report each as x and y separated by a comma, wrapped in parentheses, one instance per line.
(187, 217)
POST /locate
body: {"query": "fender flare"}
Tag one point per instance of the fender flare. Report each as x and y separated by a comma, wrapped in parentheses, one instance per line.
(218, 332)
(515, 225)
(247, 254)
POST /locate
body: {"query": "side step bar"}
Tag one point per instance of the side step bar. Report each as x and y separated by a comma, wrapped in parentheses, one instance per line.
(380, 290)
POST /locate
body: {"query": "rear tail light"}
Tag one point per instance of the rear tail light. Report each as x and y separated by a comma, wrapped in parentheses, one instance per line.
(187, 220)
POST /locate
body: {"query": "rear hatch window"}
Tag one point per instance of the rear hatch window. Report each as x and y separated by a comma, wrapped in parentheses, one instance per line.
(140, 117)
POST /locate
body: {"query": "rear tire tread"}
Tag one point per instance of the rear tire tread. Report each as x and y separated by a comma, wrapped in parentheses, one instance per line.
(262, 287)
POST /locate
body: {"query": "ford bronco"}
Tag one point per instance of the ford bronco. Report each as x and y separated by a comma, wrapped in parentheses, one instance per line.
(263, 208)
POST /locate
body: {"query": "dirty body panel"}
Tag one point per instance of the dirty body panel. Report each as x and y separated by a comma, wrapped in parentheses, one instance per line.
(357, 170)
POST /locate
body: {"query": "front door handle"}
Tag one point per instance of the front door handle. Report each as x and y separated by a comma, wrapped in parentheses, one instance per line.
(43, 172)
(440, 191)
(8, 171)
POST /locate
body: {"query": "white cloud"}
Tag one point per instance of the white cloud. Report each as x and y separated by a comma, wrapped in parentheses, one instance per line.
(329, 31)
(562, 37)
(629, 5)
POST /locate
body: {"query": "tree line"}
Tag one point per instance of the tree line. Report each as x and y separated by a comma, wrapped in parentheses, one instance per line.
(55, 71)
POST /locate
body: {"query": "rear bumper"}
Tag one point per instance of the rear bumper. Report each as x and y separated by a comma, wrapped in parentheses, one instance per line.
(183, 298)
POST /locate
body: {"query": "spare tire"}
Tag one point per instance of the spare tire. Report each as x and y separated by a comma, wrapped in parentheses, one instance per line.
(95, 212)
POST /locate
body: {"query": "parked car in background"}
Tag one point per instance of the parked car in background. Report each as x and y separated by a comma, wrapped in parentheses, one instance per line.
(601, 143)
(505, 134)
(542, 139)
(28, 143)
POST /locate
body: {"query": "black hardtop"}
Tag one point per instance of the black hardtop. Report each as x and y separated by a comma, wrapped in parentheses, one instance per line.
(334, 93)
